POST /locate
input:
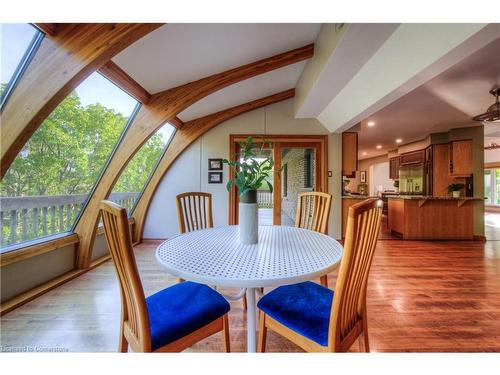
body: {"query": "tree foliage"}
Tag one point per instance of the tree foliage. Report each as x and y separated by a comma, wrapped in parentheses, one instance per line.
(68, 151)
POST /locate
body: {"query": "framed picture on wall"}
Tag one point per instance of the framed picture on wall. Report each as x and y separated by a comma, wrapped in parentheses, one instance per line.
(362, 176)
(215, 164)
(215, 177)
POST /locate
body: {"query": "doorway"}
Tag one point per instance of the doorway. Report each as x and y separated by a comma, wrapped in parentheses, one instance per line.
(300, 166)
(492, 202)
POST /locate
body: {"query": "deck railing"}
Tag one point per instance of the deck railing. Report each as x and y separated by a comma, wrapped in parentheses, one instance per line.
(27, 218)
(264, 199)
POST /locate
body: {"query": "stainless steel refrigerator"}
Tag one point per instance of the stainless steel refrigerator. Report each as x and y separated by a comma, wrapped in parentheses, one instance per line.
(412, 179)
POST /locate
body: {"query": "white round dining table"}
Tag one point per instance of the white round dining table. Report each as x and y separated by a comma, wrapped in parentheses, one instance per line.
(284, 255)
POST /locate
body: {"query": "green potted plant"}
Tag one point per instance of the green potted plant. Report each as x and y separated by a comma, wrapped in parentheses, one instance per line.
(454, 189)
(249, 171)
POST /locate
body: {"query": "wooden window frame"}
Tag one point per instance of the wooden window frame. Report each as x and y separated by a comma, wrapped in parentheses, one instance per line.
(23, 64)
(297, 141)
(43, 245)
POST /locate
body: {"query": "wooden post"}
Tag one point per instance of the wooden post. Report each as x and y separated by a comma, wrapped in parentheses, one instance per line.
(68, 216)
(53, 219)
(13, 226)
(35, 222)
(24, 225)
(61, 218)
(44, 220)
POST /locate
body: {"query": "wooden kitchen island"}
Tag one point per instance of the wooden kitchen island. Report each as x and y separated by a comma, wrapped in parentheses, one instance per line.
(432, 218)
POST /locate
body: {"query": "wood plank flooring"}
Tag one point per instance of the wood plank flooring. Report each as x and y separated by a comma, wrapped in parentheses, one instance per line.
(422, 297)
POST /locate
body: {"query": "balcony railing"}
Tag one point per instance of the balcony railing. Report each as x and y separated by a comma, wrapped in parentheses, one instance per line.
(264, 199)
(26, 218)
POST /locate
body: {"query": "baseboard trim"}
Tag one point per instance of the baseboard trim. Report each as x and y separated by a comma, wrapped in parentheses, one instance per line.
(479, 238)
(31, 294)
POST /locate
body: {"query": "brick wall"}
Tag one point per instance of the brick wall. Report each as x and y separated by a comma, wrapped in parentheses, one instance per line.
(295, 161)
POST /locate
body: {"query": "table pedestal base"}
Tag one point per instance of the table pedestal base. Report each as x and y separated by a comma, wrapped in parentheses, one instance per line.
(251, 321)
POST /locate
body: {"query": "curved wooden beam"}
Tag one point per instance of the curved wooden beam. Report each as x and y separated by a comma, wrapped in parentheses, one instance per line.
(183, 138)
(121, 79)
(162, 107)
(60, 64)
(48, 28)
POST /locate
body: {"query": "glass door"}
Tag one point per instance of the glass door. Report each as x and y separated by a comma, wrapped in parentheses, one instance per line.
(299, 172)
(299, 166)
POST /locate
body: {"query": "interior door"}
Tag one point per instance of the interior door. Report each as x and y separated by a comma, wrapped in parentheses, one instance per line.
(300, 164)
(299, 171)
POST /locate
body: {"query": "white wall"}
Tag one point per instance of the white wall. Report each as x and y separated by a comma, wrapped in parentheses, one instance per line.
(492, 156)
(189, 172)
(380, 177)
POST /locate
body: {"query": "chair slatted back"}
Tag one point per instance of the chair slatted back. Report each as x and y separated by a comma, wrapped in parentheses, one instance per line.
(349, 307)
(135, 319)
(313, 211)
(194, 210)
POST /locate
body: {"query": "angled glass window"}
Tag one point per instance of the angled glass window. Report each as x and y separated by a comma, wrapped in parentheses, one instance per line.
(50, 180)
(16, 43)
(138, 171)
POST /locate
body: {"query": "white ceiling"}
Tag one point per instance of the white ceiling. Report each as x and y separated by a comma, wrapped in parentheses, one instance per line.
(251, 89)
(412, 55)
(445, 102)
(176, 54)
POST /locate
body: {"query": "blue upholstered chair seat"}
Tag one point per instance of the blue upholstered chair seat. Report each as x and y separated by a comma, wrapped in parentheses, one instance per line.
(181, 309)
(304, 308)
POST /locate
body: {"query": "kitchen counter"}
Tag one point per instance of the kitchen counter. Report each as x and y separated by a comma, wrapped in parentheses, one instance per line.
(431, 218)
(358, 196)
(426, 197)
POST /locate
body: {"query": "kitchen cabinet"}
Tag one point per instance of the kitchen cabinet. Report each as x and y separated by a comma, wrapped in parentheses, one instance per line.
(412, 158)
(396, 215)
(349, 154)
(428, 170)
(441, 177)
(394, 168)
(429, 218)
(460, 158)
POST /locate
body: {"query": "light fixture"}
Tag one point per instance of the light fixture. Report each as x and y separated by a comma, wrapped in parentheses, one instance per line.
(379, 146)
(399, 140)
(371, 123)
(492, 114)
(363, 153)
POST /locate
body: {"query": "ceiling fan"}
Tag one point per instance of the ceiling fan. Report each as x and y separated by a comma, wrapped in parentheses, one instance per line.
(492, 114)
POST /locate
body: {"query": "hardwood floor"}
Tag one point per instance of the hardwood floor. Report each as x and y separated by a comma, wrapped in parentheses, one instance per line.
(422, 297)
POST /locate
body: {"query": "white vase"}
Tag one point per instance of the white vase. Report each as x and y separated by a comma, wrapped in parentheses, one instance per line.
(456, 194)
(248, 219)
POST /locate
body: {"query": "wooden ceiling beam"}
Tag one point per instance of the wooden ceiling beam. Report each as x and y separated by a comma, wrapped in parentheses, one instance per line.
(59, 65)
(163, 107)
(48, 28)
(177, 122)
(121, 79)
(183, 138)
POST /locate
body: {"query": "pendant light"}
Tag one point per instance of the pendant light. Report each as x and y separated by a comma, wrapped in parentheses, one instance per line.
(492, 114)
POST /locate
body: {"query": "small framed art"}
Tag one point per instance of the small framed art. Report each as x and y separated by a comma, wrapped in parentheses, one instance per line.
(362, 176)
(215, 177)
(215, 164)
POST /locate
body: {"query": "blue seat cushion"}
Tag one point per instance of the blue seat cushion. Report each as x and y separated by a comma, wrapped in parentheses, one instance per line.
(304, 308)
(181, 309)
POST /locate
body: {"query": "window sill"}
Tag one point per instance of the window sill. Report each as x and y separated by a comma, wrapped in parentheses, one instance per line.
(42, 246)
(30, 249)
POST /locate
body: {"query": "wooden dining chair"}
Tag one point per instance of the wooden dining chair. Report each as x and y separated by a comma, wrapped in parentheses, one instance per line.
(321, 320)
(194, 210)
(313, 212)
(170, 320)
